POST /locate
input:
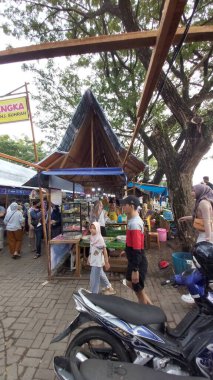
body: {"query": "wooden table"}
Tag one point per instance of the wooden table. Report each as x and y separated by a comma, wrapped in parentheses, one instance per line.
(77, 259)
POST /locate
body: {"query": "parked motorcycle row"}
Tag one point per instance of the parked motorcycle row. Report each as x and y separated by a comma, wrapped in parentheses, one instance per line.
(128, 339)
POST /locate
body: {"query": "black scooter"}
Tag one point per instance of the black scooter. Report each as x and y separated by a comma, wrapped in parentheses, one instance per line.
(125, 331)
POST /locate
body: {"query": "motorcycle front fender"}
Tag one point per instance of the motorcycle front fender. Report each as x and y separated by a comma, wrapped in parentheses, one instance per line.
(78, 321)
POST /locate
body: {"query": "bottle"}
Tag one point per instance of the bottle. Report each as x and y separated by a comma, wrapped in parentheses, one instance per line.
(124, 217)
(120, 219)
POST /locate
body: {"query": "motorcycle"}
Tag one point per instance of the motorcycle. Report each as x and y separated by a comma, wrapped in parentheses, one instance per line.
(130, 332)
(81, 367)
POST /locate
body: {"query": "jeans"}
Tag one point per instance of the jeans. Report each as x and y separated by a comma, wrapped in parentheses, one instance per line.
(97, 276)
(38, 237)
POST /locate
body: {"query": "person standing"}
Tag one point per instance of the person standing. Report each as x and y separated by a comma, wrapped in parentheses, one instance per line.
(36, 222)
(55, 221)
(97, 259)
(137, 261)
(112, 213)
(206, 181)
(98, 214)
(203, 210)
(14, 222)
(2, 215)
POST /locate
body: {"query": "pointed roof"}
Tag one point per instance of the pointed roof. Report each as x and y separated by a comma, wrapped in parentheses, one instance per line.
(89, 141)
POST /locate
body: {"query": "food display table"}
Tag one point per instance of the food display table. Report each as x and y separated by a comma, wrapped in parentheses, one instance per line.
(115, 224)
(60, 248)
(113, 232)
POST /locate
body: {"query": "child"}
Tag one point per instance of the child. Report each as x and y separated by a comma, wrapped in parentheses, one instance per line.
(97, 259)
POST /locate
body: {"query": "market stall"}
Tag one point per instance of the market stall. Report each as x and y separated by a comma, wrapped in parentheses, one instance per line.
(89, 154)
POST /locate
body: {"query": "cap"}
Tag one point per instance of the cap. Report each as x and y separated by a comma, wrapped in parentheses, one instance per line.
(130, 200)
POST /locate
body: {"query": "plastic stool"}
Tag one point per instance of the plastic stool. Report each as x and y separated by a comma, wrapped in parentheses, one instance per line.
(153, 237)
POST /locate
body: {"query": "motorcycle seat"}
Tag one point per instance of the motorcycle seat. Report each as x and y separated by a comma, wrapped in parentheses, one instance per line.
(105, 369)
(128, 311)
(95, 369)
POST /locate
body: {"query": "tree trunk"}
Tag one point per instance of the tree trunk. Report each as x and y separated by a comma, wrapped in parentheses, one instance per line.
(179, 169)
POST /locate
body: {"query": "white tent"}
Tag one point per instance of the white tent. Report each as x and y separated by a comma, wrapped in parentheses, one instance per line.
(14, 175)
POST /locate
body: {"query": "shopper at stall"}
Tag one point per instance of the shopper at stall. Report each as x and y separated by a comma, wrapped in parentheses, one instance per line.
(98, 258)
(14, 222)
(98, 214)
(105, 202)
(112, 213)
(203, 214)
(55, 221)
(36, 222)
(137, 261)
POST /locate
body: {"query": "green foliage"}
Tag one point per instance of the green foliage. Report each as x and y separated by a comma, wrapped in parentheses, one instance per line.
(21, 148)
(116, 78)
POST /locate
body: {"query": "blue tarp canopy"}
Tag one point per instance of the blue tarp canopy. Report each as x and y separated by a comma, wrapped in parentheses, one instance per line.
(53, 182)
(86, 172)
(161, 190)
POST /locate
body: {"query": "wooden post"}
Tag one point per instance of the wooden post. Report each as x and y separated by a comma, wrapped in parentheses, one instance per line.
(92, 142)
(44, 224)
(39, 182)
(73, 191)
(49, 234)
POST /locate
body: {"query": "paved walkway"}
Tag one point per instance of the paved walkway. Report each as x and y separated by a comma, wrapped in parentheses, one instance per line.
(33, 310)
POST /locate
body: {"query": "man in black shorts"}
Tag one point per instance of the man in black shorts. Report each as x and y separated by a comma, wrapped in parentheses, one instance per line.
(137, 261)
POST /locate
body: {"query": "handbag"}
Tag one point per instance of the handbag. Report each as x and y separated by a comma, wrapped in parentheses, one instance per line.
(198, 224)
(34, 222)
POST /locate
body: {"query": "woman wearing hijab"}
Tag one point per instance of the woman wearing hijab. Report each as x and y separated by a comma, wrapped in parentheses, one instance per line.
(14, 221)
(203, 209)
(97, 259)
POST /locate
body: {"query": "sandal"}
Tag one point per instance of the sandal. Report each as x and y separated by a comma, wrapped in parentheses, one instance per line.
(36, 256)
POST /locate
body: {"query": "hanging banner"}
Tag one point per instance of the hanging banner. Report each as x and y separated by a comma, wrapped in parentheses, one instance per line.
(12, 110)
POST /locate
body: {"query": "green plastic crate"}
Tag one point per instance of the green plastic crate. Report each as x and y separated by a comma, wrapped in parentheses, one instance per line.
(113, 233)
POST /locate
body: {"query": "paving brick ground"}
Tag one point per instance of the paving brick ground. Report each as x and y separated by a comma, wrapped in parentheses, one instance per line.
(33, 310)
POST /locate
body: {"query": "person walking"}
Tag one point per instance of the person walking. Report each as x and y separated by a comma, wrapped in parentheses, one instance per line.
(137, 261)
(98, 258)
(203, 210)
(14, 222)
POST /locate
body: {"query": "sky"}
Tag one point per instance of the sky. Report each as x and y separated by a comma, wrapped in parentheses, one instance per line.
(12, 77)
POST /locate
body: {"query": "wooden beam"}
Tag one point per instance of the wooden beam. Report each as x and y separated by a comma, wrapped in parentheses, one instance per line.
(169, 22)
(131, 40)
(30, 164)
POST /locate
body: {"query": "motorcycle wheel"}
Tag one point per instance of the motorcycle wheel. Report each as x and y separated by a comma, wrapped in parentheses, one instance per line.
(100, 344)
